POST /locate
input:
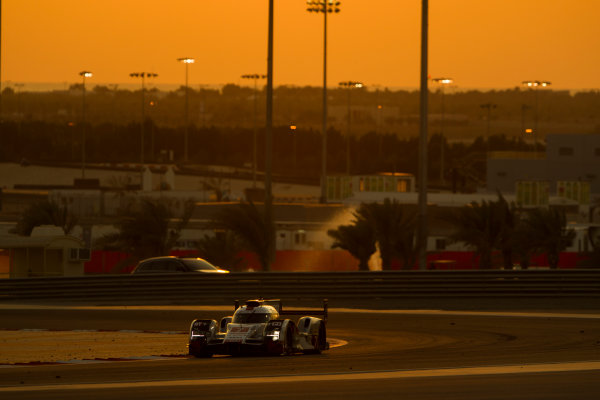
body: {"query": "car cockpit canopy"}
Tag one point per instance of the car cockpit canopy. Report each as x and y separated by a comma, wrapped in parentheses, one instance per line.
(255, 312)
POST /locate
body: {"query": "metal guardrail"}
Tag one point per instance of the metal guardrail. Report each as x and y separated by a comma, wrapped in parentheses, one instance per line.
(200, 288)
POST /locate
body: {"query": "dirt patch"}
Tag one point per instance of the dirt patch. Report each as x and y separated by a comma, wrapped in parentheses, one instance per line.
(44, 346)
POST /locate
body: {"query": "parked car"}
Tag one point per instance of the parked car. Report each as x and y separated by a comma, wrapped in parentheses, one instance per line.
(165, 265)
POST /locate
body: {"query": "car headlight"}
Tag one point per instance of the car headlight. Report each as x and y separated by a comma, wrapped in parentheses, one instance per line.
(274, 335)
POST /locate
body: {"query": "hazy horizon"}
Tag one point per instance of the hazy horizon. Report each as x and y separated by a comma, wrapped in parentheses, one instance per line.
(489, 45)
(170, 86)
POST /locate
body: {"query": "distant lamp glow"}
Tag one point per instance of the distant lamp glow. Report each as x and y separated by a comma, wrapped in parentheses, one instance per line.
(321, 6)
(186, 60)
(351, 84)
(86, 74)
(528, 130)
(536, 83)
(443, 81)
(293, 127)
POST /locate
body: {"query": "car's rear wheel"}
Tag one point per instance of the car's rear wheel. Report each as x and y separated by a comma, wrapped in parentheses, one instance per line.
(199, 350)
(320, 341)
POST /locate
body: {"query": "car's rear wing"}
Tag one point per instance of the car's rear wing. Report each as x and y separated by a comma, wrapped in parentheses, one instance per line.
(279, 307)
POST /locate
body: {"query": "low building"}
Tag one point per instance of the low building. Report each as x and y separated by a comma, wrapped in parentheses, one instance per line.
(44, 255)
(568, 158)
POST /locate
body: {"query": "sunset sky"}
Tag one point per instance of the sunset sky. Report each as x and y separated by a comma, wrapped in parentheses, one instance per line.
(480, 44)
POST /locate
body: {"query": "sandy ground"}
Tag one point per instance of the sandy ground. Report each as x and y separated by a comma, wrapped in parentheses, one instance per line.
(27, 346)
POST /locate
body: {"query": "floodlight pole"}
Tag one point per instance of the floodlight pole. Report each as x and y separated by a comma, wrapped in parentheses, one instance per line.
(187, 61)
(422, 215)
(269, 137)
(255, 77)
(83, 74)
(142, 75)
(324, 6)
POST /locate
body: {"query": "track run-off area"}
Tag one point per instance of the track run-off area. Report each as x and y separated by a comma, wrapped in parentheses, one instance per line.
(140, 353)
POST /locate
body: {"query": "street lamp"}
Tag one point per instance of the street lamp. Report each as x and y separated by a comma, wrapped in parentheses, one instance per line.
(423, 112)
(325, 7)
(293, 128)
(255, 77)
(187, 61)
(489, 107)
(535, 85)
(349, 85)
(83, 74)
(142, 75)
(18, 88)
(443, 82)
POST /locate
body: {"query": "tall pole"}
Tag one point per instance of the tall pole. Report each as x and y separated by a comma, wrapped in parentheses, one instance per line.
(269, 136)
(442, 147)
(187, 61)
(422, 228)
(349, 85)
(185, 134)
(489, 107)
(84, 74)
(324, 6)
(348, 135)
(142, 75)
(0, 63)
(443, 82)
(255, 77)
(324, 122)
(142, 134)
(535, 85)
(83, 132)
(255, 134)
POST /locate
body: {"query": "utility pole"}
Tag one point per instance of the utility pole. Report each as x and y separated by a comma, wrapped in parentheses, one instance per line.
(422, 228)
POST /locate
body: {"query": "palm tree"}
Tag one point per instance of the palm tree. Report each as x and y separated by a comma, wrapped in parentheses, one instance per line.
(393, 228)
(221, 249)
(45, 212)
(508, 217)
(522, 246)
(479, 226)
(546, 231)
(357, 238)
(405, 244)
(248, 223)
(146, 232)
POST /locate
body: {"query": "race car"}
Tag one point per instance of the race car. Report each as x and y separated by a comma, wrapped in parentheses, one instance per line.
(257, 327)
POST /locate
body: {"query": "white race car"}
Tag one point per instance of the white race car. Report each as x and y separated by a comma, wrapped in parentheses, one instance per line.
(258, 328)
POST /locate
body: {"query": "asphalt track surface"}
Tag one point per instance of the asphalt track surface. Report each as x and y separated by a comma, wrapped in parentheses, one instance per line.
(389, 354)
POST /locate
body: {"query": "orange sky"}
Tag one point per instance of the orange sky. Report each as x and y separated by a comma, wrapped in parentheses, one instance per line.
(479, 43)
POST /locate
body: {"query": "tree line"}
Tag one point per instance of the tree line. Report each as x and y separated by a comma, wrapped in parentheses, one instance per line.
(485, 227)
(149, 229)
(233, 105)
(295, 152)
